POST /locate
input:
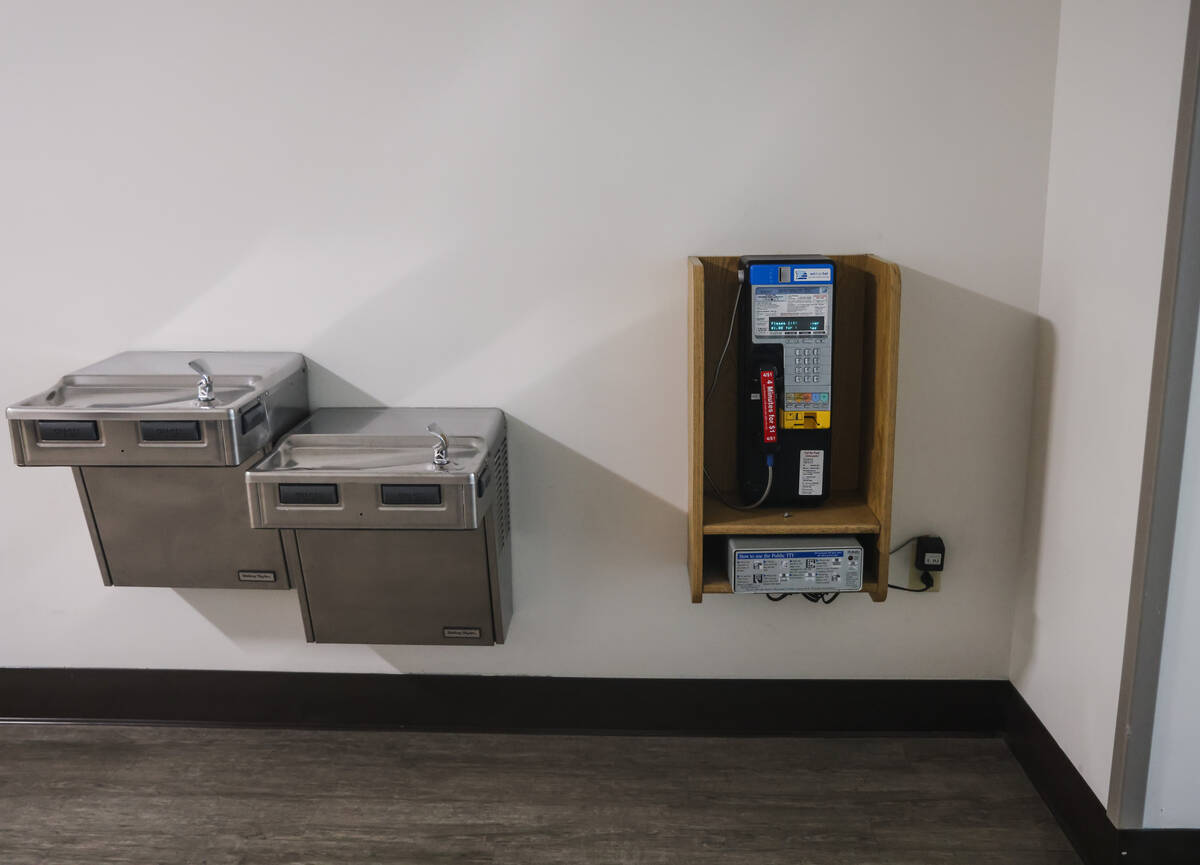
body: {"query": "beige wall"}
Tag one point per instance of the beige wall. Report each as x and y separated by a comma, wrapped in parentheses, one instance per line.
(475, 203)
(1116, 103)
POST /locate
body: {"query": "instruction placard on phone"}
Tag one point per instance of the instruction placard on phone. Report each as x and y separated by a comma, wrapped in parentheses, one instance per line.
(812, 472)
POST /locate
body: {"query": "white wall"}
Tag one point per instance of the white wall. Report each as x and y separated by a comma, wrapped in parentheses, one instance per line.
(482, 203)
(1116, 104)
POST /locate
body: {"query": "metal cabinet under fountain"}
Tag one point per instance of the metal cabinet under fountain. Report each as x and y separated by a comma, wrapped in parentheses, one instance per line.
(159, 443)
(395, 531)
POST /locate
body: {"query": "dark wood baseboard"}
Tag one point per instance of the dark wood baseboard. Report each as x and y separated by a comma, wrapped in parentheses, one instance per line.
(1079, 812)
(725, 707)
(1071, 800)
(505, 703)
(1159, 847)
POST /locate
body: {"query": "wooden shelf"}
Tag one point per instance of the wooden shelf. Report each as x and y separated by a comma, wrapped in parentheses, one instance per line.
(716, 580)
(866, 357)
(843, 514)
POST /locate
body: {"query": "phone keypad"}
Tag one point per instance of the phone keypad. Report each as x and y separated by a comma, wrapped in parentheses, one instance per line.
(807, 369)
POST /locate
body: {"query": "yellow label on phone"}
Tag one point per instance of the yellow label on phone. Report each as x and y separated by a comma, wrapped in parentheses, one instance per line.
(806, 419)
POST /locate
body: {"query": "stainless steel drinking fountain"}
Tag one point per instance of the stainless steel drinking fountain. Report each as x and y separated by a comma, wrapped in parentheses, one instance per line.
(159, 443)
(395, 523)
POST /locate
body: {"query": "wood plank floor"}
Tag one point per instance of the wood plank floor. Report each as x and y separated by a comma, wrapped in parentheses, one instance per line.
(113, 794)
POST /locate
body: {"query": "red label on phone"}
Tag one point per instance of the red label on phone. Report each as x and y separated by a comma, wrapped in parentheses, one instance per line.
(770, 416)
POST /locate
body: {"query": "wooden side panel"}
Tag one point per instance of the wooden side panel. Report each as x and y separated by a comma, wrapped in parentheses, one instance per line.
(720, 424)
(848, 322)
(695, 549)
(881, 362)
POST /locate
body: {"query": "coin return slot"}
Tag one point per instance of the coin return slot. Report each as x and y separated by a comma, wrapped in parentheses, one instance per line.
(308, 494)
(410, 494)
(68, 431)
(170, 430)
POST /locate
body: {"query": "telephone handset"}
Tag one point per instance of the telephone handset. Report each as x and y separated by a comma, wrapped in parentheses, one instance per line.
(785, 379)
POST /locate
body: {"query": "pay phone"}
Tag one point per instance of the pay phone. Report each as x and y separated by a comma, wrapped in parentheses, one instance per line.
(785, 379)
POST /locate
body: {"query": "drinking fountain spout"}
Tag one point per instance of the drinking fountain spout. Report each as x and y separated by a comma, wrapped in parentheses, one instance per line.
(204, 387)
(439, 450)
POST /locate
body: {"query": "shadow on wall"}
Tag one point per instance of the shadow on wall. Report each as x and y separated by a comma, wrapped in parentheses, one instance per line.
(588, 538)
(962, 441)
(584, 490)
(964, 401)
(249, 617)
(582, 537)
(581, 512)
(1024, 618)
(328, 389)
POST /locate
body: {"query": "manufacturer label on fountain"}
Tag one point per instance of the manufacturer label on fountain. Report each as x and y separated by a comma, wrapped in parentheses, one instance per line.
(461, 633)
(256, 576)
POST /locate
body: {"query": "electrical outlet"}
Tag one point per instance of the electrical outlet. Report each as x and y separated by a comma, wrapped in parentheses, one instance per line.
(914, 580)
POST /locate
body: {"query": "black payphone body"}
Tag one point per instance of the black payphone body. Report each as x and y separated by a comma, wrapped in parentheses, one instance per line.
(785, 379)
